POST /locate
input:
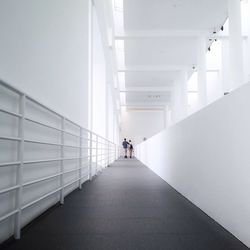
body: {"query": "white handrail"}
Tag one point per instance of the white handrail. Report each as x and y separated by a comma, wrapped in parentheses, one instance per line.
(105, 152)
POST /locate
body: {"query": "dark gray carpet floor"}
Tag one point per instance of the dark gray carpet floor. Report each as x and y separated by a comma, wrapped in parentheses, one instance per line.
(126, 207)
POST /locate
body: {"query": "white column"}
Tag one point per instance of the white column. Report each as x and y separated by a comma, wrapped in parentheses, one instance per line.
(183, 94)
(179, 98)
(107, 117)
(167, 117)
(90, 64)
(165, 111)
(202, 72)
(175, 102)
(235, 44)
(225, 69)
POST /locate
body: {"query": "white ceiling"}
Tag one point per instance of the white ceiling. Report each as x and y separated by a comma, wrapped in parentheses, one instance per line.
(173, 14)
(156, 60)
(149, 78)
(160, 51)
(139, 98)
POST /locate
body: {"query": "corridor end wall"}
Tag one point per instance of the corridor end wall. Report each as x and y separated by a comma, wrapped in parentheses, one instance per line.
(206, 158)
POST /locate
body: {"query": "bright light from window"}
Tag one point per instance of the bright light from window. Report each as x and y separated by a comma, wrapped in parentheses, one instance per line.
(119, 44)
(118, 5)
(118, 104)
(121, 79)
(193, 83)
(123, 98)
(214, 56)
(120, 54)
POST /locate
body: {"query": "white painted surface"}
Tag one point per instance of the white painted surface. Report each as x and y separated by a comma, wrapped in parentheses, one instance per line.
(235, 44)
(137, 125)
(44, 52)
(206, 158)
(99, 81)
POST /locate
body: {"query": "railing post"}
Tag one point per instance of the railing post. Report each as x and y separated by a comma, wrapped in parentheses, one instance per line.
(101, 154)
(90, 155)
(19, 192)
(96, 165)
(117, 152)
(108, 155)
(80, 159)
(62, 161)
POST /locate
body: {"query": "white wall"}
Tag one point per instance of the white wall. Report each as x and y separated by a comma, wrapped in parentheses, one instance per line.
(44, 52)
(99, 80)
(206, 158)
(139, 124)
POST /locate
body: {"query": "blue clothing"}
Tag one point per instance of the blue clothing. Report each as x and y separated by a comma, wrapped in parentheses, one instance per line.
(125, 144)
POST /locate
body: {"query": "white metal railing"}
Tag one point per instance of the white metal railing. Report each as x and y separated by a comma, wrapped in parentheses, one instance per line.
(94, 154)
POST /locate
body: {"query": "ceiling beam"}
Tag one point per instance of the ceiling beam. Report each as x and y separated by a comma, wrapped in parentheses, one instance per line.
(224, 37)
(154, 68)
(145, 109)
(145, 104)
(142, 34)
(139, 34)
(147, 89)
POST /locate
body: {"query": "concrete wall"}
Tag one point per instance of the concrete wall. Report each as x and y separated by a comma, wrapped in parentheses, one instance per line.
(206, 158)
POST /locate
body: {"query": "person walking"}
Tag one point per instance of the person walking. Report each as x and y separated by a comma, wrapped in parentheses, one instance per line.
(125, 145)
(130, 149)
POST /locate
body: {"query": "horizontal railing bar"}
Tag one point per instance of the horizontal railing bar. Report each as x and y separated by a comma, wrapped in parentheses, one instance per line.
(71, 170)
(10, 138)
(8, 215)
(72, 134)
(9, 163)
(84, 147)
(43, 142)
(10, 113)
(41, 179)
(43, 106)
(6, 190)
(71, 158)
(72, 182)
(71, 146)
(9, 87)
(41, 198)
(42, 161)
(74, 123)
(42, 124)
(55, 159)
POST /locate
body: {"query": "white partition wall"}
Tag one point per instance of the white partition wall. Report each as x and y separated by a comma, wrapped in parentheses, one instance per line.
(44, 52)
(206, 158)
